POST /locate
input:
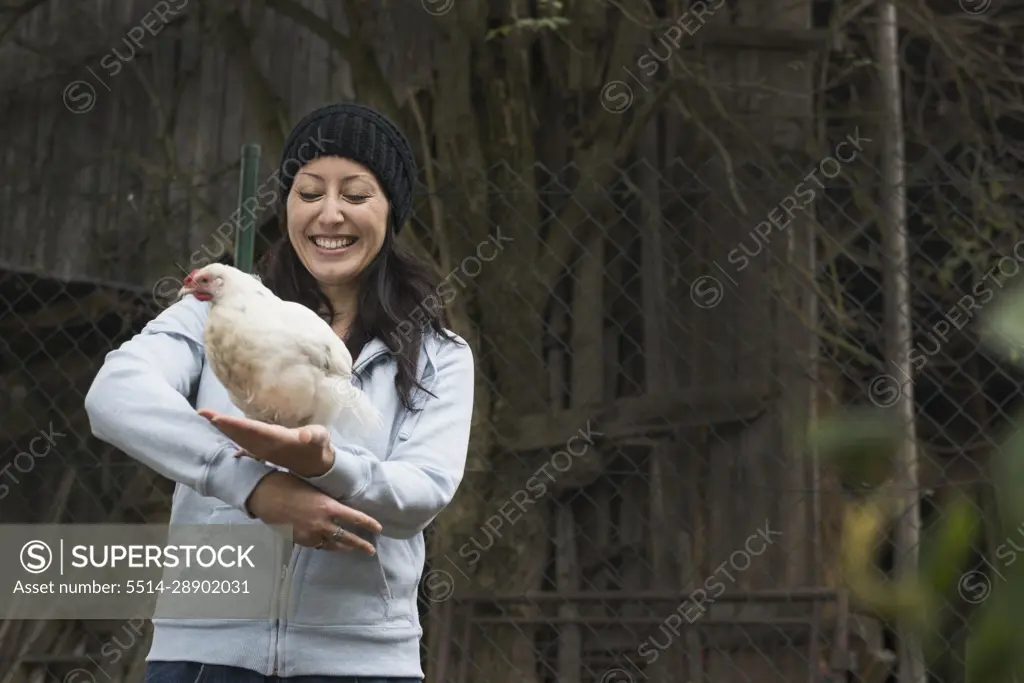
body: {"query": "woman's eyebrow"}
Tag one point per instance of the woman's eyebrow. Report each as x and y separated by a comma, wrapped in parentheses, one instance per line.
(349, 177)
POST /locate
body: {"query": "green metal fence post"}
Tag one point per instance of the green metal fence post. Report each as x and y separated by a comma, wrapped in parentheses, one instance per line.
(245, 237)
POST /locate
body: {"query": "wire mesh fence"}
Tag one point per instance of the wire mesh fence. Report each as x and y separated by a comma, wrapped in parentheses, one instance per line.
(637, 504)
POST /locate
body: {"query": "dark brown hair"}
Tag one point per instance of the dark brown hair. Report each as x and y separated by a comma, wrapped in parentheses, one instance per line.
(391, 289)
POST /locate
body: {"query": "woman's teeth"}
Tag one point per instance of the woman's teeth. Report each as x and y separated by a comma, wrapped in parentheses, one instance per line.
(333, 242)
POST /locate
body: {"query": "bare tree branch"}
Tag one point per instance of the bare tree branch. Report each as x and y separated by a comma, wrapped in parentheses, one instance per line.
(597, 170)
(440, 237)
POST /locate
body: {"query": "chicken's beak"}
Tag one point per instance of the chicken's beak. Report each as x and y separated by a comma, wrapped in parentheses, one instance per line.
(188, 286)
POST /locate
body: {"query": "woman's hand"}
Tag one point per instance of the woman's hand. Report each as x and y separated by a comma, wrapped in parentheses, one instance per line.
(281, 498)
(306, 451)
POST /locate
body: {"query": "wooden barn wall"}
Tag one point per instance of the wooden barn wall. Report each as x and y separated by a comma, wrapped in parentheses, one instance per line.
(88, 195)
(665, 514)
(85, 196)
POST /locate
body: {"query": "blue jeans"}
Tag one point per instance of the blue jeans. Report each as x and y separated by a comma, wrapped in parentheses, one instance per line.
(194, 672)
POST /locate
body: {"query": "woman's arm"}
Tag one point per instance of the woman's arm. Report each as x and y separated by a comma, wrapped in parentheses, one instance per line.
(139, 403)
(408, 490)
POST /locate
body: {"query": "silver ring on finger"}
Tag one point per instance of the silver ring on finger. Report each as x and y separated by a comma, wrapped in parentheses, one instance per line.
(338, 533)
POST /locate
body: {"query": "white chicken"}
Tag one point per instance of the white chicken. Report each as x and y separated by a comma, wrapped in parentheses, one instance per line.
(279, 361)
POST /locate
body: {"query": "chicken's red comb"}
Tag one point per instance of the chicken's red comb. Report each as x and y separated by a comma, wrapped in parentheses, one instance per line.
(189, 279)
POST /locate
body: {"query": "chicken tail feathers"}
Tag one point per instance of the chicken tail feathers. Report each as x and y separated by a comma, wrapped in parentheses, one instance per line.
(355, 411)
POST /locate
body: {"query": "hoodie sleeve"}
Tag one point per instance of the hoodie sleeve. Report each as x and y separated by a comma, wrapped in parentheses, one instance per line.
(408, 490)
(139, 403)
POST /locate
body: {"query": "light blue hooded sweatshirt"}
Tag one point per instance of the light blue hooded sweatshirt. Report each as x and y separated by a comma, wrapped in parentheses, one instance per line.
(352, 614)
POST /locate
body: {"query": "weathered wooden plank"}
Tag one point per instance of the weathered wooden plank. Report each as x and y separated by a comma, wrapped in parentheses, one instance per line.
(633, 522)
(41, 233)
(592, 517)
(103, 231)
(143, 175)
(186, 141)
(587, 321)
(608, 638)
(208, 102)
(165, 72)
(299, 95)
(587, 386)
(234, 120)
(318, 76)
(614, 267)
(635, 416)
(17, 229)
(754, 471)
(567, 578)
(659, 375)
(558, 356)
(566, 550)
(341, 81)
(40, 214)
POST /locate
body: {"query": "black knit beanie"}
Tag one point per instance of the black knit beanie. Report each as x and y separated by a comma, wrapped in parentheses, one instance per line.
(360, 134)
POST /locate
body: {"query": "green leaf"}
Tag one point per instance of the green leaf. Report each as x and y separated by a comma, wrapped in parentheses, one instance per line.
(1002, 327)
(1008, 479)
(992, 644)
(944, 560)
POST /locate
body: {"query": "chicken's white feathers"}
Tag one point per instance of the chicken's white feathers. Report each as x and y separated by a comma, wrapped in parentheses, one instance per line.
(279, 360)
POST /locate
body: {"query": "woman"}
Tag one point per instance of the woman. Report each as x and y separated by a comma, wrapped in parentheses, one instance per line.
(346, 176)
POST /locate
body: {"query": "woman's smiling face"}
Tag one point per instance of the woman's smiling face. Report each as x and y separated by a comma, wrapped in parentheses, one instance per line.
(337, 218)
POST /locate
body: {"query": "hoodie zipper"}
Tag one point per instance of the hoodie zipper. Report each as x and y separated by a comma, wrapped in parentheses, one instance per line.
(282, 602)
(362, 364)
(284, 591)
